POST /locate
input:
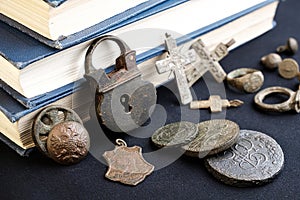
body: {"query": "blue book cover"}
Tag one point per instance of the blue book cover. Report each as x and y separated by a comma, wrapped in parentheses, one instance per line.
(22, 50)
(35, 101)
(101, 28)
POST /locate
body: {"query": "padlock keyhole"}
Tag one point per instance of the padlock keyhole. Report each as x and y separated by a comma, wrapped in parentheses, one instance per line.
(125, 102)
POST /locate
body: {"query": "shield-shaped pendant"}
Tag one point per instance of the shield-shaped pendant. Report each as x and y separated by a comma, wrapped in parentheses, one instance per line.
(126, 164)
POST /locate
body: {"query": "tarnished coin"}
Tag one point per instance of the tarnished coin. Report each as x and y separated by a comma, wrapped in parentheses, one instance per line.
(68, 142)
(175, 134)
(213, 137)
(288, 68)
(254, 160)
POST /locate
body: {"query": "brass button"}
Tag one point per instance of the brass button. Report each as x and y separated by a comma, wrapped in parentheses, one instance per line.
(68, 142)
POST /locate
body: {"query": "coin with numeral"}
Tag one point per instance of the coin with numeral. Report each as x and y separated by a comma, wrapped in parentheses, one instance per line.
(175, 134)
(213, 136)
(255, 159)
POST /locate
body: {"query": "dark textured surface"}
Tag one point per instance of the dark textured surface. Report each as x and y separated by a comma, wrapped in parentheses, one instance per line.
(255, 159)
(38, 177)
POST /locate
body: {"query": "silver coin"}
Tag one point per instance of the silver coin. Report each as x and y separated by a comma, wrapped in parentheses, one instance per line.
(175, 134)
(214, 136)
(254, 160)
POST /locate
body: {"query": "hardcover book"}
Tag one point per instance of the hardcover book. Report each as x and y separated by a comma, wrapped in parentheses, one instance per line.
(23, 58)
(64, 23)
(242, 26)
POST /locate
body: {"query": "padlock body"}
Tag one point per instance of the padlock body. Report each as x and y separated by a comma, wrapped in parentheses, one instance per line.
(127, 106)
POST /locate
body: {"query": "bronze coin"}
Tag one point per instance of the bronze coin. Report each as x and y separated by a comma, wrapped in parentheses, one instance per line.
(288, 68)
(213, 137)
(68, 142)
(175, 134)
(254, 160)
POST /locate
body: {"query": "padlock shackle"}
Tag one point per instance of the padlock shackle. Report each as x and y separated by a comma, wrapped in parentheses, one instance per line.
(89, 68)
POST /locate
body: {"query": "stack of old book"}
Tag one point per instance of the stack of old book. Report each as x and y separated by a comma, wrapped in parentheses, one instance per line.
(43, 46)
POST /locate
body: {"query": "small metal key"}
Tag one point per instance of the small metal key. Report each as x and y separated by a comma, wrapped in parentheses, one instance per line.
(215, 103)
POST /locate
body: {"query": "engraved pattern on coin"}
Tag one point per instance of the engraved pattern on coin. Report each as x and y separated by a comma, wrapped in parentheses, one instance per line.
(127, 165)
(255, 159)
(68, 143)
(213, 137)
(288, 68)
(175, 134)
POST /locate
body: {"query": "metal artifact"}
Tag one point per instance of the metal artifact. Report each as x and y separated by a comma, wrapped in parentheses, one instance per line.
(288, 68)
(68, 143)
(246, 79)
(271, 60)
(126, 164)
(175, 63)
(46, 120)
(215, 103)
(213, 137)
(175, 134)
(122, 100)
(208, 62)
(254, 160)
(292, 103)
(290, 47)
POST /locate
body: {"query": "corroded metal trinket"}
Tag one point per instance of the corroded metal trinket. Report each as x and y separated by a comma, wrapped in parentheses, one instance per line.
(290, 47)
(213, 137)
(175, 134)
(46, 120)
(126, 164)
(68, 142)
(288, 68)
(175, 63)
(292, 103)
(254, 160)
(208, 61)
(246, 79)
(271, 60)
(215, 103)
(123, 101)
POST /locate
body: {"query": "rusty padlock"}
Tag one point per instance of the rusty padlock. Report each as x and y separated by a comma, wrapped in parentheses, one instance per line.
(123, 101)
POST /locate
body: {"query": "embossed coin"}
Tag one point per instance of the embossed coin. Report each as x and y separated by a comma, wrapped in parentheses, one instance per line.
(254, 160)
(288, 68)
(175, 134)
(68, 143)
(214, 136)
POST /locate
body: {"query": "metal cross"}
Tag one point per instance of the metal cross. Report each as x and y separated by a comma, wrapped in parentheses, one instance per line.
(215, 103)
(175, 63)
(208, 61)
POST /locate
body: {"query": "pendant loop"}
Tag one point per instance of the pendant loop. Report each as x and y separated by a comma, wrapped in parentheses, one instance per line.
(121, 142)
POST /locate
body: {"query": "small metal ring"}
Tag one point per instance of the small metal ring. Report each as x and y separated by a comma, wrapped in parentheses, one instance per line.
(89, 68)
(246, 79)
(279, 107)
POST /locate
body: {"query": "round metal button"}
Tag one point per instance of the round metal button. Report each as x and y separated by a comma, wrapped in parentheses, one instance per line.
(68, 142)
(46, 120)
(288, 68)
